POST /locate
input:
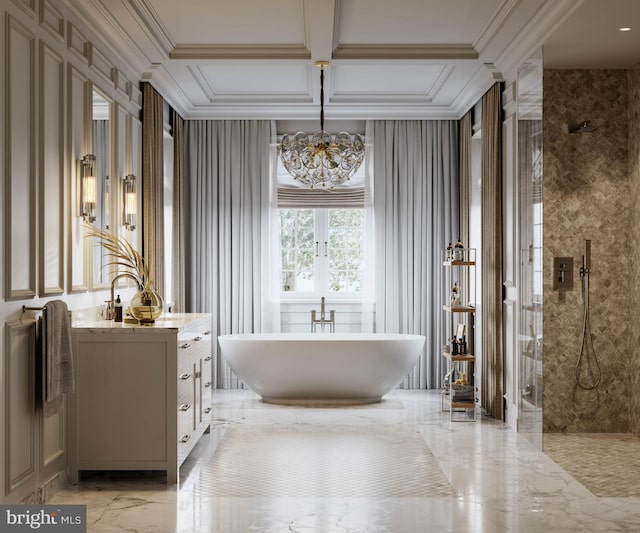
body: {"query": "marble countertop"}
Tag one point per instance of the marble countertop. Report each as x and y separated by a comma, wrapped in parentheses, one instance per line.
(166, 321)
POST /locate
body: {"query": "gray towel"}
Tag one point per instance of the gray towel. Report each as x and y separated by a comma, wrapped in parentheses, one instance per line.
(57, 361)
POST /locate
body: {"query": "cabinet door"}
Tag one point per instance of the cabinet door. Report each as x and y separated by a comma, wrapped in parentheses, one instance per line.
(121, 399)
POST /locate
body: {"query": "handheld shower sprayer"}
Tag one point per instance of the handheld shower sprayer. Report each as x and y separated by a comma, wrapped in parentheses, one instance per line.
(587, 338)
(586, 258)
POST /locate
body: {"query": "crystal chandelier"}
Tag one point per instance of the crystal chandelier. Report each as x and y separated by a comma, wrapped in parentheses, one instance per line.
(323, 160)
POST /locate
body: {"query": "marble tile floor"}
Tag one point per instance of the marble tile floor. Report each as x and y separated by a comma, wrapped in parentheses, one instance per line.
(499, 481)
(608, 464)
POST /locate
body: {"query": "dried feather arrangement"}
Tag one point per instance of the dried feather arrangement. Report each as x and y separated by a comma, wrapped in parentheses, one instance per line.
(123, 256)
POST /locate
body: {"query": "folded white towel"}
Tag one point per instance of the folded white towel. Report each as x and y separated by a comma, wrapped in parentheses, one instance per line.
(57, 363)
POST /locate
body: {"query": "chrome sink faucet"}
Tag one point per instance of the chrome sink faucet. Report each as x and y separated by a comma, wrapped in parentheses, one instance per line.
(323, 320)
(110, 314)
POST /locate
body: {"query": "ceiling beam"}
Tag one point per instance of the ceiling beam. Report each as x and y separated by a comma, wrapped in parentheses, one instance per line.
(320, 17)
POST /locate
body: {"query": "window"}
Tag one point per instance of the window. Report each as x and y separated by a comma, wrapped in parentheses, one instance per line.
(322, 252)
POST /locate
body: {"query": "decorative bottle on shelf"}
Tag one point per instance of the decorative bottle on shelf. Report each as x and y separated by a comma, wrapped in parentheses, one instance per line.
(455, 295)
(458, 251)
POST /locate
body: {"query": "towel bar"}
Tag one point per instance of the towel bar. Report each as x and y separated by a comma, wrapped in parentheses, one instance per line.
(25, 308)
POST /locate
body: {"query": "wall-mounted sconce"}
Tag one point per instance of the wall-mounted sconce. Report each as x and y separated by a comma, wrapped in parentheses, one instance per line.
(129, 202)
(88, 188)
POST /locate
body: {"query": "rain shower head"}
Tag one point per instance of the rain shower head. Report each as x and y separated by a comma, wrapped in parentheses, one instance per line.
(583, 127)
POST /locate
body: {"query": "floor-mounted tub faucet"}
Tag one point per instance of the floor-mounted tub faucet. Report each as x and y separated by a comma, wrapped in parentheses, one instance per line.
(323, 320)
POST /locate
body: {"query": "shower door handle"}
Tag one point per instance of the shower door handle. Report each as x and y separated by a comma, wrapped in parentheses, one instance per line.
(317, 244)
(325, 248)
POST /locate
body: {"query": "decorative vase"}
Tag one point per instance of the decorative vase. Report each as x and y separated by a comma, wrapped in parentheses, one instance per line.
(146, 306)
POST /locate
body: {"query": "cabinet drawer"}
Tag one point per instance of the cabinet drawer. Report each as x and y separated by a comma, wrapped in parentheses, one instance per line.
(193, 346)
(186, 411)
(186, 384)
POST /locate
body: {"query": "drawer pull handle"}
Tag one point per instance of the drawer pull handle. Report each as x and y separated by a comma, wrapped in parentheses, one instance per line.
(198, 338)
(208, 358)
(184, 438)
(186, 375)
(207, 384)
(207, 410)
(185, 407)
(207, 332)
(185, 345)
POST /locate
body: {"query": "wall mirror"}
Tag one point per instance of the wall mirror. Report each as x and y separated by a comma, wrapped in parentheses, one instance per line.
(101, 111)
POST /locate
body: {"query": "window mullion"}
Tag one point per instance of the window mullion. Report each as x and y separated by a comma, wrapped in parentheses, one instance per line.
(322, 221)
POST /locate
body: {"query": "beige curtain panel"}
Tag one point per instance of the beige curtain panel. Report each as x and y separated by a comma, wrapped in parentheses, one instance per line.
(153, 184)
(491, 128)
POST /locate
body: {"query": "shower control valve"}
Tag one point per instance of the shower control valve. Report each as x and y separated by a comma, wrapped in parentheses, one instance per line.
(563, 273)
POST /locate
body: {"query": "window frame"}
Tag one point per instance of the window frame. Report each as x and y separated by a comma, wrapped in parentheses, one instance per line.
(321, 261)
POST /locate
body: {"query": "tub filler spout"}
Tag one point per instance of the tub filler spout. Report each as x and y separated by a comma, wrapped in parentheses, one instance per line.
(323, 320)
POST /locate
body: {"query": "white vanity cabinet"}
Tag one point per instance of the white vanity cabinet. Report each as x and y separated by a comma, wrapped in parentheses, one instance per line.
(143, 394)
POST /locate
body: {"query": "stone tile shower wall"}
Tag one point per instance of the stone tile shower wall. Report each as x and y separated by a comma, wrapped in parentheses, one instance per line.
(634, 172)
(587, 196)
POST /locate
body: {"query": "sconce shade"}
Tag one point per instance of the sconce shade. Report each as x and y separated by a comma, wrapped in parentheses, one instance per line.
(129, 202)
(88, 188)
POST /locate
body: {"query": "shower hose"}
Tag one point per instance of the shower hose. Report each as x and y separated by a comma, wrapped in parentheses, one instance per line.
(587, 339)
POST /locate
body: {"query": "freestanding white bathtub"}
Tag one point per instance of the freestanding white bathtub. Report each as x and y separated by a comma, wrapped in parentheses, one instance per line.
(321, 368)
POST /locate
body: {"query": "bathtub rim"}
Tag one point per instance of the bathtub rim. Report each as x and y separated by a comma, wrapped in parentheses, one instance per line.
(321, 336)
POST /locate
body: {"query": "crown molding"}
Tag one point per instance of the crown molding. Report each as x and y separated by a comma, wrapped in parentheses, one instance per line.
(501, 14)
(548, 18)
(156, 30)
(401, 51)
(334, 112)
(171, 92)
(240, 51)
(480, 83)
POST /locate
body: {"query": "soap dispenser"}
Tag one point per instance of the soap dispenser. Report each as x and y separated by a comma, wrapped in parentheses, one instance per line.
(117, 309)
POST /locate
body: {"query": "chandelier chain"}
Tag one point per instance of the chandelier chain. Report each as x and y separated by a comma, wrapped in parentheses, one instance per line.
(322, 98)
(322, 160)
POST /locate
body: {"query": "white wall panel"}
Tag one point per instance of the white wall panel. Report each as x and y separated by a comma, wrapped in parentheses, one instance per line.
(100, 63)
(29, 6)
(20, 163)
(77, 42)
(123, 85)
(45, 130)
(19, 391)
(52, 153)
(51, 19)
(77, 141)
(53, 442)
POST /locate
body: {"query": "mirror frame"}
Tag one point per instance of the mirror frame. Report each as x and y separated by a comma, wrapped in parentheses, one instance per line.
(91, 265)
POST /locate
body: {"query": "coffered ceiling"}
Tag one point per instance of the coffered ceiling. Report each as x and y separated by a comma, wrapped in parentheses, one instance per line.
(255, 58)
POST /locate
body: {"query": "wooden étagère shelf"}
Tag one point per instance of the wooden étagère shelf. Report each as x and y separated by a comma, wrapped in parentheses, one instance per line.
(446, 352)
(459, 309)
